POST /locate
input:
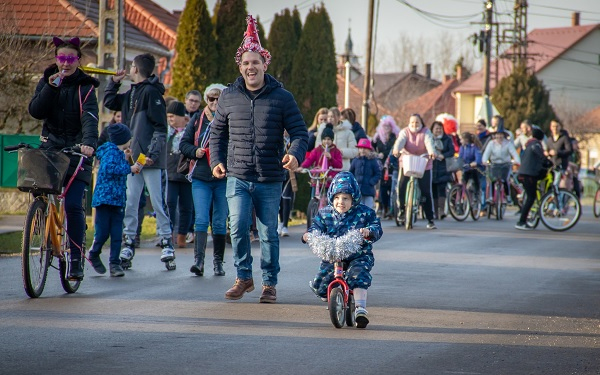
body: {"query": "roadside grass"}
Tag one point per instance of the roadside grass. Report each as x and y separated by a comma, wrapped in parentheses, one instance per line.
(10, 243)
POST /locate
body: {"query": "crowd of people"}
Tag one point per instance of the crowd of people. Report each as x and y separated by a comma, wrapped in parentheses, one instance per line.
(230, 165)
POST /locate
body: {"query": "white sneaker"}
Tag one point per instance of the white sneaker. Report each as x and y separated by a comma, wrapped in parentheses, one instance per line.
(284, 232)
(360, 315)
(189, 238)
(279, 228)
(168, 254)
(126, 254)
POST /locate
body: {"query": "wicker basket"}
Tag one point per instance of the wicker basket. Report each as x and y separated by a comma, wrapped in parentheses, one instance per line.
(41, 171)
(413, 166)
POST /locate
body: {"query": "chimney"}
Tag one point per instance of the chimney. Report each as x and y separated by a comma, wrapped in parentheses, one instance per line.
(428, 70)
(459, 72)
(446, 78)
(414, 69)
(575, 19)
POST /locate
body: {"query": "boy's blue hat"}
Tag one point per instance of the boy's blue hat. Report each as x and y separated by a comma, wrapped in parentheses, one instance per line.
(119, 134)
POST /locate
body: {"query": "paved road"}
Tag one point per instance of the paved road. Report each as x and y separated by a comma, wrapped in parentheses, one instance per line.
(468, 298)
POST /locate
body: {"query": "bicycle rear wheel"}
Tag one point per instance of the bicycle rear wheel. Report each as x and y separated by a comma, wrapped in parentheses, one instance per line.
(560, 212)
(409, 205)
(336, 307)
(597, 203)
(458, 204)
(36, 254)
(474, 199)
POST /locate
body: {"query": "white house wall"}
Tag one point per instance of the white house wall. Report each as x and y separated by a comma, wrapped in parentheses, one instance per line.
(575, 75)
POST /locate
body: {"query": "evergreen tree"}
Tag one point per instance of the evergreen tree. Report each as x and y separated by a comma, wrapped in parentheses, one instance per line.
(282, 44)
(229, 30)
(522, 96)
(195, 65)
(314, 71)
(261, 34)
(297, 23)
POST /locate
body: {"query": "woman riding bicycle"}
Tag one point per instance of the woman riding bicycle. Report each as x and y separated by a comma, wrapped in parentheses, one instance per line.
(500, 151)
(470, 152)
(416, 139)
(65, 99)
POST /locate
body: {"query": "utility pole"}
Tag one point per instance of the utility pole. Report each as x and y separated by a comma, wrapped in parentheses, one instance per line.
(520, 33)
(367, 81)
(489, 12)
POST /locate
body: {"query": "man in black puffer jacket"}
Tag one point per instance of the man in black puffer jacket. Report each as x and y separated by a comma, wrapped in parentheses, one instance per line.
(247, 145)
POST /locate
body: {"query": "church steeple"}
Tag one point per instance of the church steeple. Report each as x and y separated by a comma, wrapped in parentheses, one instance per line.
(349, 43)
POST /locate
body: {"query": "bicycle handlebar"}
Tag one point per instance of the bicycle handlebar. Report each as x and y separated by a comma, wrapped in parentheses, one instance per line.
(73, 150)
(314, 173)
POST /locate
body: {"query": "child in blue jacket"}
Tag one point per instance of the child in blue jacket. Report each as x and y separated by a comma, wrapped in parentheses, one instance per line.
(110, 197)
(366, 168)
(343, 214)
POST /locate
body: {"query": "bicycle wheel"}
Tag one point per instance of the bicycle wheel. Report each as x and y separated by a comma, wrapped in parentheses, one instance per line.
(475, 200)
(311, 211)
(498, 199)
(36, 254)
(336, 307)
(458, 204)
(597, 203)
(560, 212)
(350, 309)
(409, 205)
(533, 217)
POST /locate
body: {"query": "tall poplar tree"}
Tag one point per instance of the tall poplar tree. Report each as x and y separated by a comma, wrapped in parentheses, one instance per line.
(521, 96)
(229, 31)
(283, 43)
(314, 72)
(195, 64)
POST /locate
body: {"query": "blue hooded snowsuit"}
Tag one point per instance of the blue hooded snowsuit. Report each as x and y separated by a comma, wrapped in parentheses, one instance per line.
(336, 224)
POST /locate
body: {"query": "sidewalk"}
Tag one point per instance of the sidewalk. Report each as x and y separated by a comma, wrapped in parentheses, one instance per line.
(11, 223)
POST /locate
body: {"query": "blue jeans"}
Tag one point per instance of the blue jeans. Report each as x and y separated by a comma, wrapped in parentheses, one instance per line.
(205, 194)
(242, 197)
(108, 222)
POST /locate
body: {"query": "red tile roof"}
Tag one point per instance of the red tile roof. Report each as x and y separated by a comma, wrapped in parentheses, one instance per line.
(591, 120)
(356, 99)
(432, 103)
(48, 17)
(544, 45)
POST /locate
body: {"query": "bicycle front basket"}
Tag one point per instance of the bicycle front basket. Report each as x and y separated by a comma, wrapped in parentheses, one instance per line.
(499, 171)
(41, 171)
(413, 166)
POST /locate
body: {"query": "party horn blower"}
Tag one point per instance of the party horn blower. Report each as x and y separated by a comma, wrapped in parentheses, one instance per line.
(141, 161)
(94, 70)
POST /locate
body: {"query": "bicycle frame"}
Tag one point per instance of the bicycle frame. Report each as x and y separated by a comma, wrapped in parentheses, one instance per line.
(339, 280)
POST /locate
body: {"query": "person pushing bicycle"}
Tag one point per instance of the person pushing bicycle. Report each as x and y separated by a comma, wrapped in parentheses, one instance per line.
(343, 214)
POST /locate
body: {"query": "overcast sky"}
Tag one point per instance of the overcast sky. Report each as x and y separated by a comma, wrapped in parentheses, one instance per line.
(428, 21)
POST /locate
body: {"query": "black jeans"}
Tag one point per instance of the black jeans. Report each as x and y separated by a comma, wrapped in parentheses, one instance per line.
(530, 187)
(75, 217)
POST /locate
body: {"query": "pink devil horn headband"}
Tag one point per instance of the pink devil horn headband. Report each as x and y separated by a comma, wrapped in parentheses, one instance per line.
(251, 42)
(58, 42)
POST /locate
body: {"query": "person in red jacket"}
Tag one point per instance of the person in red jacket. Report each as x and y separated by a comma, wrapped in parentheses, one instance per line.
(326, 155)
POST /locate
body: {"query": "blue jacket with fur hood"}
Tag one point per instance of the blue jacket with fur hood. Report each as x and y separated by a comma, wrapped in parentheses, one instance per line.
(111, 184)
(247, 133)
(335, 224)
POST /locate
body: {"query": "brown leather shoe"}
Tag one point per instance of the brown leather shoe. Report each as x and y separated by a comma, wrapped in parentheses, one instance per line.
(181, 241)
(239, 288)
(269, 294)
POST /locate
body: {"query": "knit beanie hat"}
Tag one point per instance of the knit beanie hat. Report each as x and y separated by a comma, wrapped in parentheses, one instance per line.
(177, 108)
(328, 132)
(119, 134)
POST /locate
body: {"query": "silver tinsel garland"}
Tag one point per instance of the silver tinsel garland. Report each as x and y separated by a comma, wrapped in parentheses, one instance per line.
(331, 249)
